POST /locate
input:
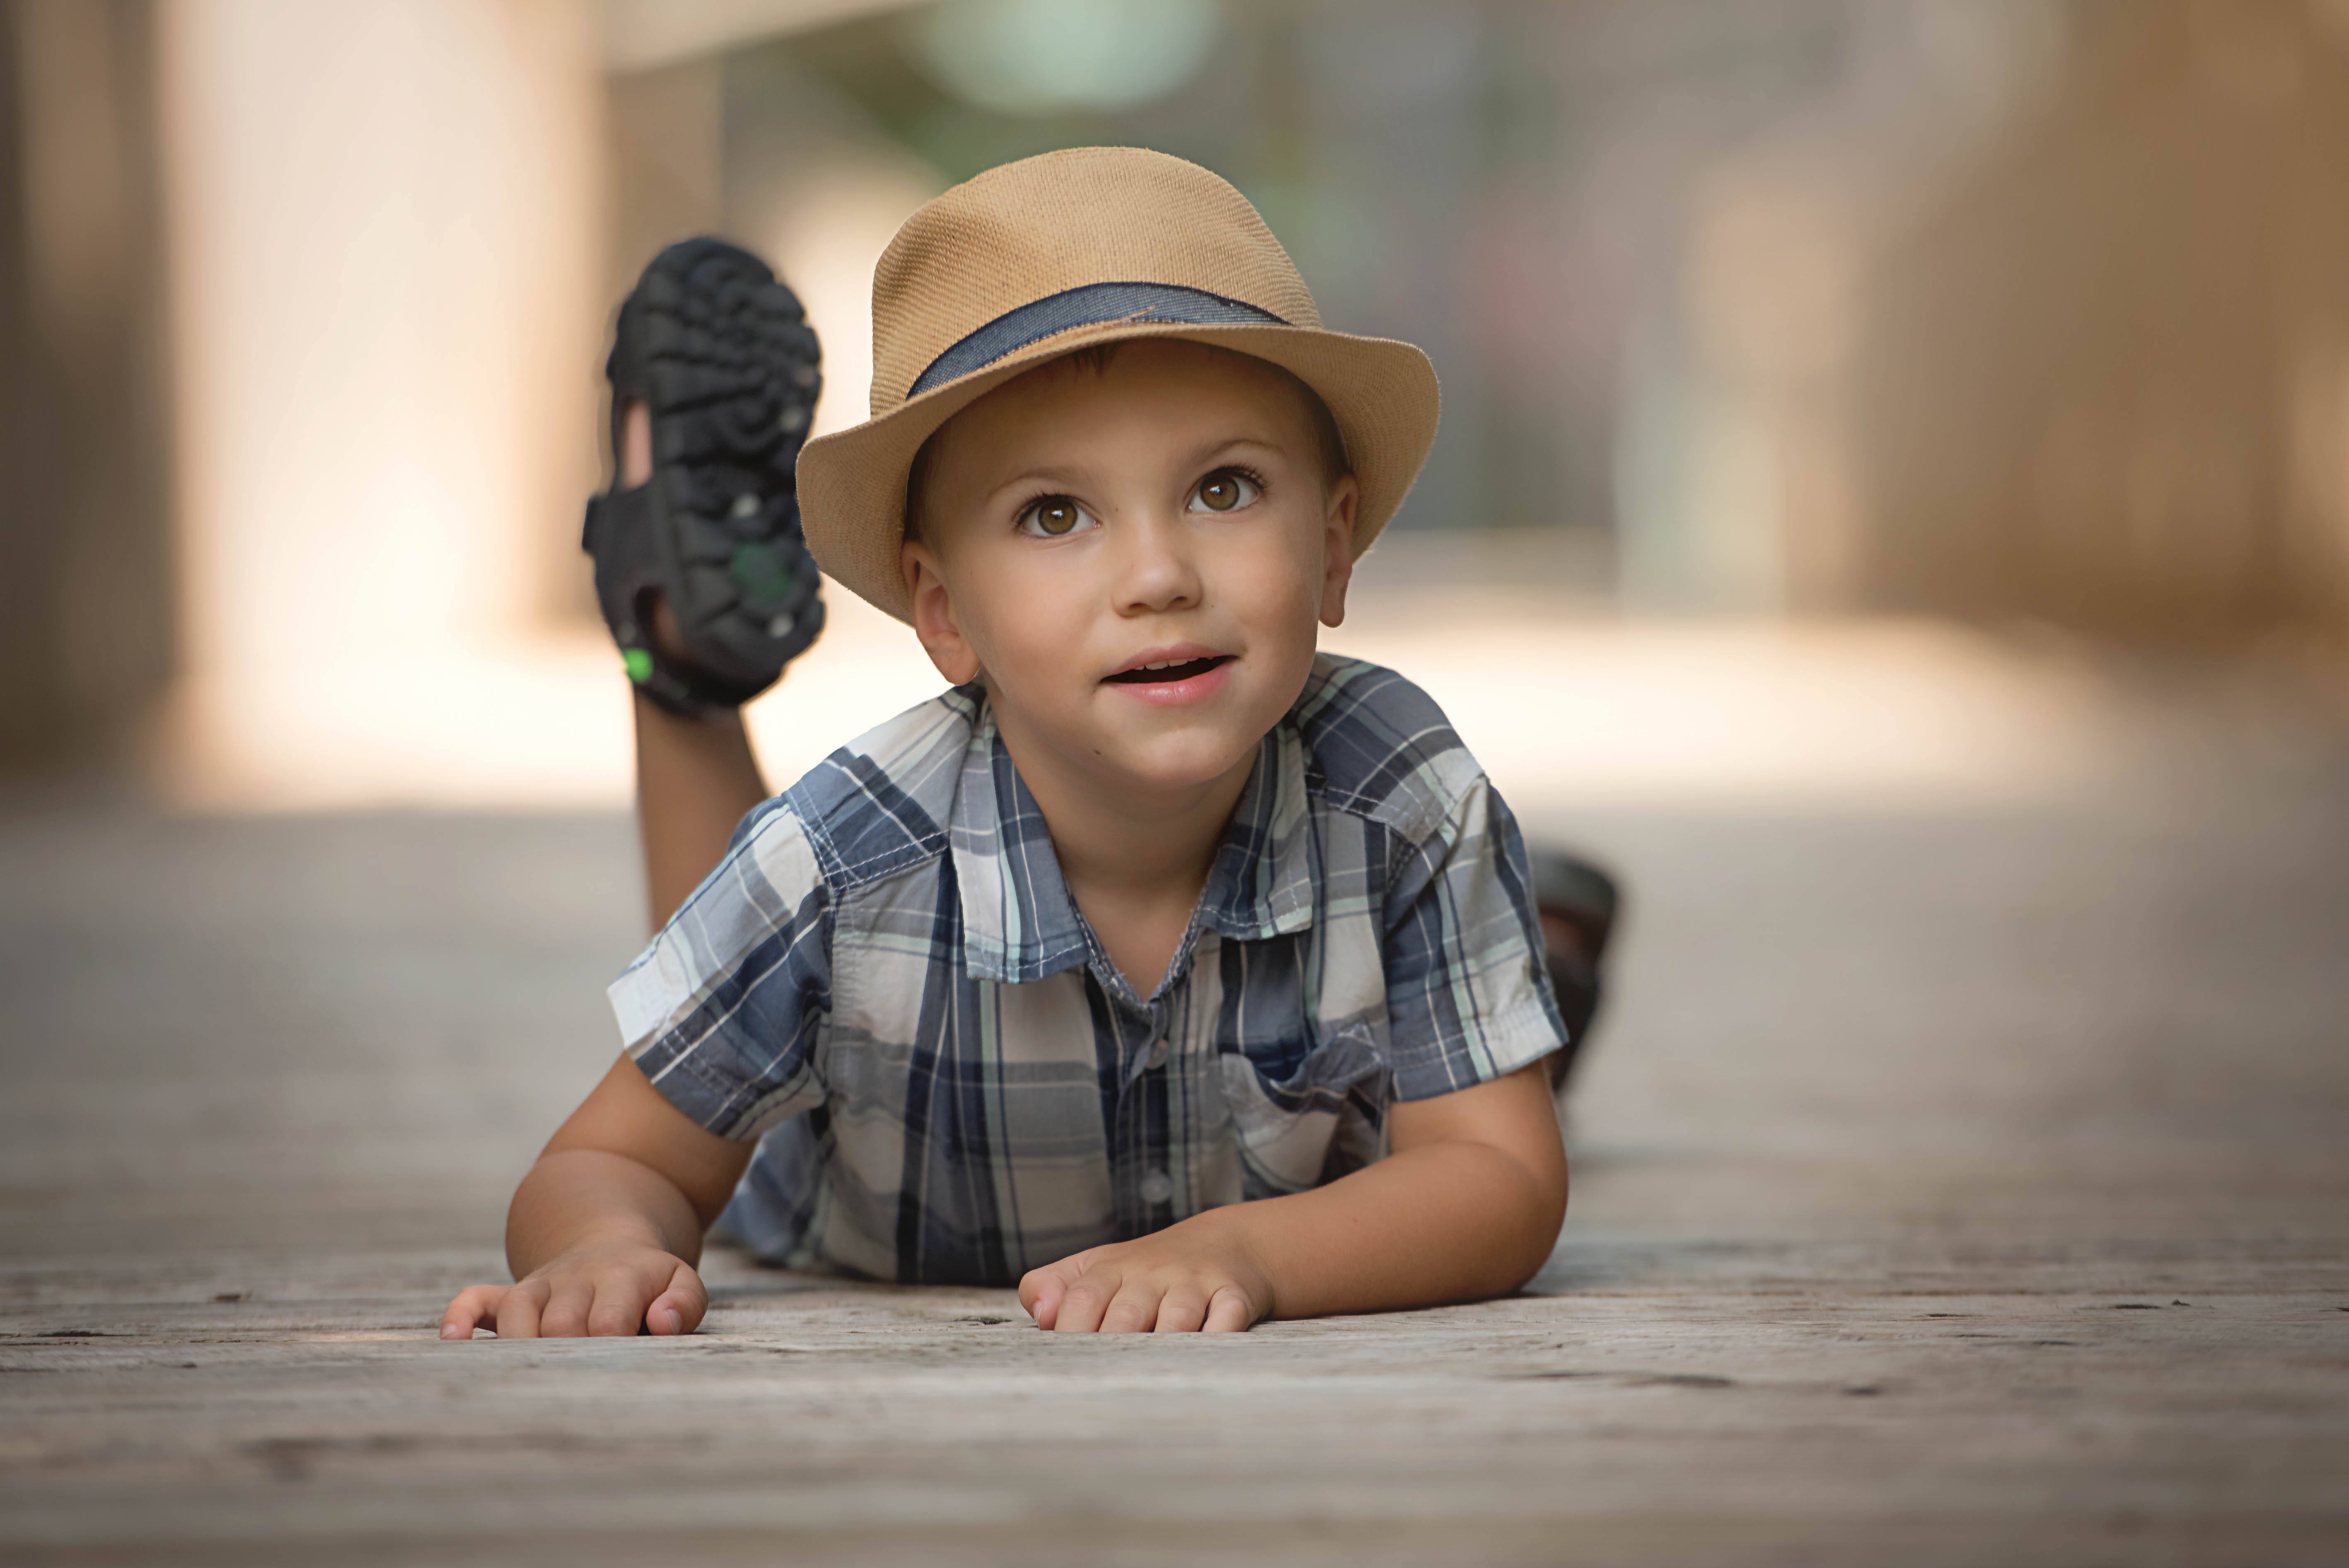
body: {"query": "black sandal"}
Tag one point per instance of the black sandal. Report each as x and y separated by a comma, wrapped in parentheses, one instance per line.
(1583, 899)
(723, 360)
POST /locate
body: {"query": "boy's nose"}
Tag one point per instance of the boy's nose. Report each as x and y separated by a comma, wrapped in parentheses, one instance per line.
(1155, 568)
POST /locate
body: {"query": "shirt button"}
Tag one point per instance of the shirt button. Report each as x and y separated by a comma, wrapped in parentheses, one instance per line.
(1157, 1187)
(1160, 1052)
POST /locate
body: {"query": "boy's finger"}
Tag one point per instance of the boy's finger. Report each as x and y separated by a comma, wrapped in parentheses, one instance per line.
(1132, 1310)
(1041, 1290)
(1065, 1271)
(1085, 1301)
(474, 1303)
(518, 1311)
(1228, 1311)
(1181, 1310)
(564, 1315)
(680, 1308)
(617, 1307)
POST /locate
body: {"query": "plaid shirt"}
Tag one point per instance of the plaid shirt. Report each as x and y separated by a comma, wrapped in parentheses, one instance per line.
(888, 980)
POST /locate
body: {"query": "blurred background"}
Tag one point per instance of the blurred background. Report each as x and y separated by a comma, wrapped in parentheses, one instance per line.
(1831, 386)
(1892, 507)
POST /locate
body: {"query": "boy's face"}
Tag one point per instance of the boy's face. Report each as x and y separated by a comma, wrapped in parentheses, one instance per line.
(1170, 509)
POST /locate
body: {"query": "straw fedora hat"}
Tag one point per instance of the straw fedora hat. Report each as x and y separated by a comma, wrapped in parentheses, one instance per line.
(1038, 258)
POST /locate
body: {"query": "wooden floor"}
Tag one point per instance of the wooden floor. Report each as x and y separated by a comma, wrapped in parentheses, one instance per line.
(1952, 1187)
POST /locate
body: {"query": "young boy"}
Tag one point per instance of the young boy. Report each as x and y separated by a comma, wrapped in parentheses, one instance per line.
(1175, 972)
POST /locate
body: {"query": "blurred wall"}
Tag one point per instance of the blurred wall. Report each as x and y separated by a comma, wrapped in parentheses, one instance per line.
(2105, 381)
(664, 159)
(1994, 308)
(387, 237)
(385, 220)
(88, 582)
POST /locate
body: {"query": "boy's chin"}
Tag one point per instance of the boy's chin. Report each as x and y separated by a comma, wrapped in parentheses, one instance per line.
(1173, 764)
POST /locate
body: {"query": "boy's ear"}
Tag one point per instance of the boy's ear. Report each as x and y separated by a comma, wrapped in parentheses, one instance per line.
(1337, 548)
(934, 616)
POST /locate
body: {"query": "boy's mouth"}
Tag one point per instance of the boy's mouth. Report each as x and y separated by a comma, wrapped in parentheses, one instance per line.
(1170, 672)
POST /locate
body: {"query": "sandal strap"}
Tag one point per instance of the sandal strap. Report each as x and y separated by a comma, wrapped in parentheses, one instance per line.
(621, 537)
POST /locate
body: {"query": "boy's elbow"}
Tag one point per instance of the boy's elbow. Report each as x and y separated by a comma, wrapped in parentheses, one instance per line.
(1540, 1215)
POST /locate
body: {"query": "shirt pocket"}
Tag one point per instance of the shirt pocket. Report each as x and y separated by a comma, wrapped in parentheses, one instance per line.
(1290, 1100)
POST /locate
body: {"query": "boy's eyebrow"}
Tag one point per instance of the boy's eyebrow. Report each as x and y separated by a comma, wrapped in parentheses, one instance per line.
(1217, 449)
(1043, 473)
(1077, 474)
(1029, 482)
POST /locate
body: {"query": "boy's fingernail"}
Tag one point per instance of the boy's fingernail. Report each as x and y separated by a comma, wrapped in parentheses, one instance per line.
(671, 1320)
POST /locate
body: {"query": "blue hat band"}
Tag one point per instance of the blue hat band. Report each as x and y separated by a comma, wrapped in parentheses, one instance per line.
(1089, 305)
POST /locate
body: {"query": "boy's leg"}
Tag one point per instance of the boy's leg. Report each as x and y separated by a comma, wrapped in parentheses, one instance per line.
(713, 369)
(696, 778)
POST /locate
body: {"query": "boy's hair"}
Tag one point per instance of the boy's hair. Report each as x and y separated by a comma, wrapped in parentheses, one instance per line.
(1329, 446)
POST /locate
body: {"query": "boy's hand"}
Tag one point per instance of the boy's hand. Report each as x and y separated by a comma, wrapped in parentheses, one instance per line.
(602, 1229)
(598, 1290)
(1192, 1277)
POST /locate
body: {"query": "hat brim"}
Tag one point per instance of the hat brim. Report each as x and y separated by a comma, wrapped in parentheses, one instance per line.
(852, 483)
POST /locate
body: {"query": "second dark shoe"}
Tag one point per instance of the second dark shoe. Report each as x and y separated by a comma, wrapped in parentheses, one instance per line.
(1577, 904)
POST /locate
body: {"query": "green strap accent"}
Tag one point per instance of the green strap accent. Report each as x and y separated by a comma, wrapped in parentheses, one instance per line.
(638, 663)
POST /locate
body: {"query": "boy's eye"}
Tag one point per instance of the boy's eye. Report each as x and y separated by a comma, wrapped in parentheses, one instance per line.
(1054, 517)
(1225, 489)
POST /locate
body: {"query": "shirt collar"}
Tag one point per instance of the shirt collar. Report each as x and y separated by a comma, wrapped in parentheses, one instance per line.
(1261, 884)
(1019, 923)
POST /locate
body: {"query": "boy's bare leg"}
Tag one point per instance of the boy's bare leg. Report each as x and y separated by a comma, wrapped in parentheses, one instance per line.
(696, 778)
(695, 781)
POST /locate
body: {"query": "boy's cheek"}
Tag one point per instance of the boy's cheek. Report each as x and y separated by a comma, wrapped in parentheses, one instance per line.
(1025, 625)
(1272, 588)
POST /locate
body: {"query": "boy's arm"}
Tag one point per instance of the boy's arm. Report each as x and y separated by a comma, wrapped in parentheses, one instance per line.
(606, 1228)
(1468, 1204)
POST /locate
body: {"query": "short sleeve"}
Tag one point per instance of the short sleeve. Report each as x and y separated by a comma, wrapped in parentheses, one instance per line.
(725, 1011)
(1468, 998)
